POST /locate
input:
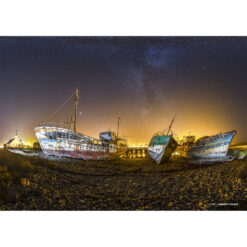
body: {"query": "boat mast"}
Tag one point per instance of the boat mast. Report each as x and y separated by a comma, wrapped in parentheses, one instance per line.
(118, 124)
(75, 104)
(170, 126)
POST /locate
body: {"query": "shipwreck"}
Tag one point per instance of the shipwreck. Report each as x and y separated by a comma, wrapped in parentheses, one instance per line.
(211, 148)
(64, 140)
(162, 145)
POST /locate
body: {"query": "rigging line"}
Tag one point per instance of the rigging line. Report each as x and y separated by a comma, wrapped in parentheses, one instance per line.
(61, 106)
(70, 114)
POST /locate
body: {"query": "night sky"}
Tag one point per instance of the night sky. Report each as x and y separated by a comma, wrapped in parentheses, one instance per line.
(201, 80)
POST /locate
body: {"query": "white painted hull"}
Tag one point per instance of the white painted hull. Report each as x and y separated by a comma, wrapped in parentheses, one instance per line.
(217, 152)
(71, 144)
(211, 148)
(157, 152)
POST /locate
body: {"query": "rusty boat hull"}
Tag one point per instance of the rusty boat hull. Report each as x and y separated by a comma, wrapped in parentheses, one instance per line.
(63, 142)
(211, 148)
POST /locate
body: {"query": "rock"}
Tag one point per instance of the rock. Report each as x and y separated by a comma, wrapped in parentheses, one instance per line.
(25, 181)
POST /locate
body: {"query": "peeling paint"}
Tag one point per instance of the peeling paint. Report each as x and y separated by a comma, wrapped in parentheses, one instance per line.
(65, 142)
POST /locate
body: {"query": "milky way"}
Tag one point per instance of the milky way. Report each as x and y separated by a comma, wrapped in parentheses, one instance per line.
(201, 80)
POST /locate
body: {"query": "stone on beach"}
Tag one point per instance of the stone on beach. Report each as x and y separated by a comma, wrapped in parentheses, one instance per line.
(126, 185)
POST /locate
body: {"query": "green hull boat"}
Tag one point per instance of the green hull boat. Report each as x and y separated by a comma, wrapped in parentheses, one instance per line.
(162, 146)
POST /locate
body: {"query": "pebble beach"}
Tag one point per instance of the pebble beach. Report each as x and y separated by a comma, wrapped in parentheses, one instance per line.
(67, 184)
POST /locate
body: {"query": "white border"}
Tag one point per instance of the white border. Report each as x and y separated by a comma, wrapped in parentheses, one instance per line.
(108, 17)
(122, 229)
(125, 17)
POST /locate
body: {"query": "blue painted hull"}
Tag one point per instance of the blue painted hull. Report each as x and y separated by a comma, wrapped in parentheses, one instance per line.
(214, 147)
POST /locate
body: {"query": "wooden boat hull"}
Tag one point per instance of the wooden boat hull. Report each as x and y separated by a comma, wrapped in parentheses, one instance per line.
(161, 148)
(213, 147)
(66, 143)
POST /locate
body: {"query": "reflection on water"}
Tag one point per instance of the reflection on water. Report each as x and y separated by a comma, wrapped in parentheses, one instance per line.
(136, 152)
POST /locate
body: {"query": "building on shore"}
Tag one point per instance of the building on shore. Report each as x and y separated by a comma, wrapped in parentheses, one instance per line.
(15, 142)
(188, 140)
